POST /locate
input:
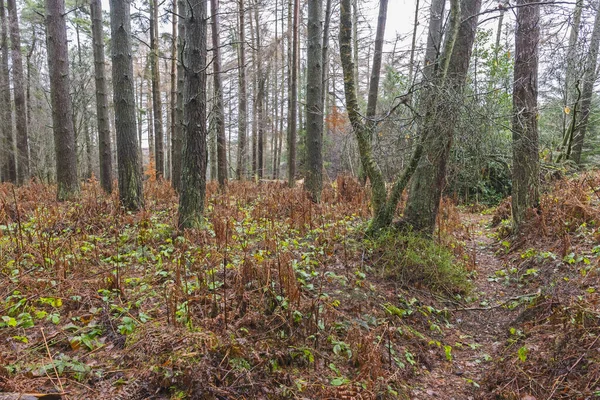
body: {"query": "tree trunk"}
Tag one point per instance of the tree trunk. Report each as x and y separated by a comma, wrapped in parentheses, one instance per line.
(242, 100)
(64, 133)
(376, 72)
(589, 79)
(429, 178)
(193, 174)
(150, 123)
(19, 94)
(177, 145)
(173, 120)
(314, 102)
(159, 153)
(130, 179)
(219, 111)
(104, 145)
(9, 167)
(570, 77)
(293, 97)
(526, 164)
(384, 206)
(413, 46)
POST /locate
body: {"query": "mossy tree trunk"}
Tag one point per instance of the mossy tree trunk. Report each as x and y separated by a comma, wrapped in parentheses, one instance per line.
(383, 206)
(62, 122)
(437, 135)
(193, 174)
(130, 177)
(526, 163)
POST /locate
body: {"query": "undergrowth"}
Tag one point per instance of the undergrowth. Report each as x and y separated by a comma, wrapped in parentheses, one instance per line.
(274, 299)
(417, 261)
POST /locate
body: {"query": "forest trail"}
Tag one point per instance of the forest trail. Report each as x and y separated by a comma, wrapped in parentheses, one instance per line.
(478, 328)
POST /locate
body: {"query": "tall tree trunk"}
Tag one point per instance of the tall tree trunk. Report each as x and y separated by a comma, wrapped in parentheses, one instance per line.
(355, 45)
(242, 99)
(413, 46)
(526, 164)
(428, 180)
(314, 101)
(193, 174)
(254, 94)
(376, 72)
(130, 179)
(219, 111)
(589, 79)
(570, 59)
(156, 99)
(384, 206)
(173, 120)
(150, 123)
(104, 145)
(64, 133)
(261, 77)
(19, 94)
(140, 122)
(293, 97)
(177, 145)
(9, 167)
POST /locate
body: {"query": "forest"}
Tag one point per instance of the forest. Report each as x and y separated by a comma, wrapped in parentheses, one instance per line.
(299, 199)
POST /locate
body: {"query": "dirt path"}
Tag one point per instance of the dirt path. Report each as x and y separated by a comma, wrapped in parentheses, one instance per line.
(478, 328)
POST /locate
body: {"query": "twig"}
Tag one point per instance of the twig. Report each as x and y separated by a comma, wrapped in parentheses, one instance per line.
(62, 390)
(499, 304)
(563, 376)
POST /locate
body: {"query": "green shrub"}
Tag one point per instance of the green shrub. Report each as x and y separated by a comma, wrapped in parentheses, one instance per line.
(415, 260)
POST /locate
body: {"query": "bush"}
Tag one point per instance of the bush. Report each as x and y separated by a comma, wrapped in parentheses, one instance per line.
(416, 261)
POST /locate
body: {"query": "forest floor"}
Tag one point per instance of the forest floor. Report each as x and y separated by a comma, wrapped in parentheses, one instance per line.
(281, 298)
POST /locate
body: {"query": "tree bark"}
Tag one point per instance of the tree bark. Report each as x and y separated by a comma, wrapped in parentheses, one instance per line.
(242, 157)
(589, 79)
(157, 114)
(314, 102)
(177, 144)
(193, 175)
(376, 71)
(293, 97)
(104, 145)
(19, 94)
(526, 165)
(219, 111)
(429, 178)
(173, 120)
(9, 165)
(64, 133)
(130, 180)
